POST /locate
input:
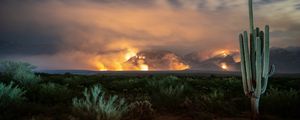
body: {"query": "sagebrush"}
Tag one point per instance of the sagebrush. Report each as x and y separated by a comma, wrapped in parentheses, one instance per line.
(19, 72)
(10, 94)
(100, 106)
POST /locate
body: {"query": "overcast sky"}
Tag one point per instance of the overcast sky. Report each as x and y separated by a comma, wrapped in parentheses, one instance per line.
(69, 34)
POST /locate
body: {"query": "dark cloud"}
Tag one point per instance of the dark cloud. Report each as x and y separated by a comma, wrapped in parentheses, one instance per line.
(175, 3)
(286, 59)
(287, 36)
(28, 43)
(297, 6)
(138, 2)
(135, 2)
(206, 5)
(19, 37)
(268, 1)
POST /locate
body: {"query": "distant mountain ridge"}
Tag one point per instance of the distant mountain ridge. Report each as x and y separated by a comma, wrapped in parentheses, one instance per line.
(150, 73)
(286, 60)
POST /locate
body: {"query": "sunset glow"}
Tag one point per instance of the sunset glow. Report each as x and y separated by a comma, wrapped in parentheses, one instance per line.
(222, 52)
(120, 61)
(224, 66)
(144, 67)
(130, 60)
(130, 53)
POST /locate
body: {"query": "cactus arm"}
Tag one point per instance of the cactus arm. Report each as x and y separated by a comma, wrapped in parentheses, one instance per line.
(258, 68)
(251, 17)
(247, 62)
(262, 38)
(272, 70)
(266, 59)
(252, 39)
(243, 67)
(253, 63)
(253, 55)
(257, 32)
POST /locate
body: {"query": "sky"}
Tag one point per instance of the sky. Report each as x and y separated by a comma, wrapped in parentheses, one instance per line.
(103, 34)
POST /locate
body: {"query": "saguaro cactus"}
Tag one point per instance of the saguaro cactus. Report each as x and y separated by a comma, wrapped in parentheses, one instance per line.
(255, 62)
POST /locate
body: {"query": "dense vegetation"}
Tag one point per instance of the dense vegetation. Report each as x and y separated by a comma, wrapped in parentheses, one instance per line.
(77, 97)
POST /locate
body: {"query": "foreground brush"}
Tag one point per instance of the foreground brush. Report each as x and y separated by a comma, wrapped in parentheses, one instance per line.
(255, 62)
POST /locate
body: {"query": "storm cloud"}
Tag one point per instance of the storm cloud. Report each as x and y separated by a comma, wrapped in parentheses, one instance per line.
(69, 34)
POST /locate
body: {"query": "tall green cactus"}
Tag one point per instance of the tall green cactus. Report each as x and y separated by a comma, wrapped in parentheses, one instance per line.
(255, 62)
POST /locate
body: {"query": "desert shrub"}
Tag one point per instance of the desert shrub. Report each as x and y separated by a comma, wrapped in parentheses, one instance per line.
(232, 85)
(19, 72)
(72, 80)
(171, 78)
(130, 84)
(216, 102)
(142, 97)
(295, 84)
(163, 82)
(167, 93)
(214, 95)
(10, 94)
(173, 91)
(52, 93)
(140, 110)
(281, 102)
(95, 104)
(226, 84)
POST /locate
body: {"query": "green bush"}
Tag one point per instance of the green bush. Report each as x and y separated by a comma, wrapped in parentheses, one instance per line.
(171, 78)
(173, 91)
(140, 110)
(52, 93)
(216, 102)
(167, 92)
(95, 104)
(10, 94)
(164, 82)
(72, 81)
(281, 102)
(130, 84)
(20, 72)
